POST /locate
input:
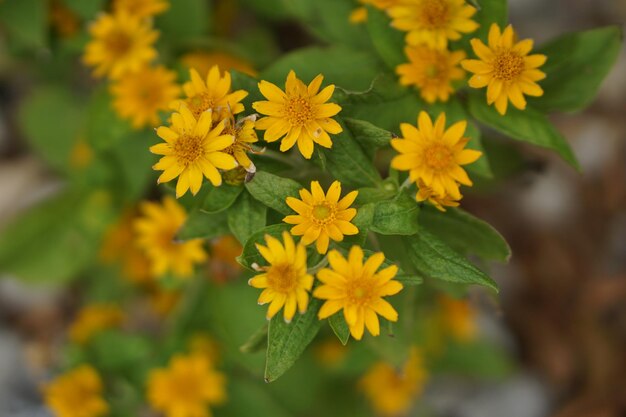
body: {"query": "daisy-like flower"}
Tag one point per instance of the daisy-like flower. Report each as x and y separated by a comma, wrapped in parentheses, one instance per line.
(140, 95)
(458, 318)
(192, 150)
(285, 281)
(322, 216)
(214, 95)
(92, 319)
(77, 393)
(433, 22)
(358, 289)
(432, 71)
(299, 115)
(244, 134)
(187, 387)
(391, 391)
(434, 154)
(426, 193)
(505, 68)
(156, 230)
(121, 43)
(141, 8)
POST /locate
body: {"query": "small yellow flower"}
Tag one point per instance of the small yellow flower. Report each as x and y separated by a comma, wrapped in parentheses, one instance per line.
(214, 95)
(433, 22)
(244, 134)
(156, 231)
(192, 150)
(141, 8)
(432, 71)
(92, 319)
(392, 391)
(162, 300)
(434, 154)
(300, 114)
(77, 393)
(204, 61)
(204, 345)
(357, 289)
(121, 43)
(458, 318)
(426, 193)
(140, 95)
(322, 217)
(358, 15)
(285, 281)
(505, 68)
(186, 388)
(330, 352)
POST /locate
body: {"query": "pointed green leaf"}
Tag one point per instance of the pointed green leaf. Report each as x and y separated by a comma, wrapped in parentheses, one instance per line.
(396, 217)
(368, 136)
(250, 255)
(246, 217)
(338, 323)
(204, 226)
(220, 198)
(273, 190)
(256, 342)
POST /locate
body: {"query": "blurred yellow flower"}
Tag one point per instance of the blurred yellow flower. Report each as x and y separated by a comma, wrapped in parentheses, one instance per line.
(156, 232)
(162, 300)
(244, 134)
(359, 15)
(92, 319)
(203, 344)
(432, 71)
(426, 193)
(458, 318)
(140, 95)
(186, 388)
(299, 115)
(285, 282)
(224, 253)
(505, 68)
(357, 289)
(322, 217)
(81, 154)
(392, 391)
(433, 22)
(203, 62)
(330, 352)
(77, 393)
(193, 149)
(121, 43)
(141, 8)
(214, 95)
(434, 154)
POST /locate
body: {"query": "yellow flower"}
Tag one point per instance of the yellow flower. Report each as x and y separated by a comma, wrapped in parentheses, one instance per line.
(432, 71)
(433, 22)
(322, 217)
(121, 43)
(285, 282)
(458, 318)
(358, 15)
(244, 134)
(426, 193)
(299, 114)
(77, 393)
(156, 231)
(330, 352)
(203, 344)
(435, 154)
(186, 387)
(203, 61)
(92, 319)
(358, 289)
(192, 150)
(505, 68)
(213, 95)
(392, 391)
(141, 8)
(161, 300)
(140, 95)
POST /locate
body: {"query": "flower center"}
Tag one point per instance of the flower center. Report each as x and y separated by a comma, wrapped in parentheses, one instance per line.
(434, 14)
(360, 291)
(438, 157)
(323, 213)
(200, 103)
(186, 389)
(299, 111)
(117, 42)
(282, 278)
(188, 149)
(507, 66)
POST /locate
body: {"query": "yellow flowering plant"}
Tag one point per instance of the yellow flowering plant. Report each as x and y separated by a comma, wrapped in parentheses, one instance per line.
(217, 182)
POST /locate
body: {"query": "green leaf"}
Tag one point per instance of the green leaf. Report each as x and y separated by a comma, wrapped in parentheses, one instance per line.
(465, 233)
(388, 42)
(347, 161)
(577, 63)
(436, 260)
(338, 323)
(85, 9)
(490, 11)
(287, 341)
(363, 222)
(368, 136)
(396, 217)
(25, 22)
(373, 195)
(104, 128)
(204, 225)
(220, 198)
(256, 342)
(525, 125)
(184, 21)
(250, 255)
(132, 159)
(273, 190)
(246, 217)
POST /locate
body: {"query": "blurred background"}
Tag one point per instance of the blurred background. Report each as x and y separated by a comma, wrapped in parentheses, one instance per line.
(561, 313)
